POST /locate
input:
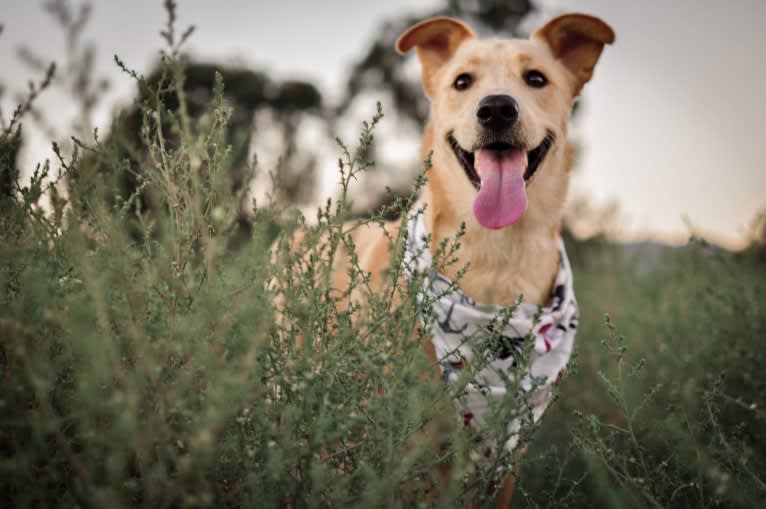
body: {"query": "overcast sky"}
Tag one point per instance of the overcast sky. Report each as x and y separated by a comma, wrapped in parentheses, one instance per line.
(673, 119)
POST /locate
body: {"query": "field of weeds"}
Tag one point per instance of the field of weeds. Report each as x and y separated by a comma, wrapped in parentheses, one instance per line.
(148, 346)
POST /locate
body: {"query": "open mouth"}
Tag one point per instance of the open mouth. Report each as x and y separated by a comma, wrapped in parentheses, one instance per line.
(534, 157)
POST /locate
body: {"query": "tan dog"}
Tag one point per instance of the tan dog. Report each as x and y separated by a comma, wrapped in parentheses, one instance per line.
(500, 156)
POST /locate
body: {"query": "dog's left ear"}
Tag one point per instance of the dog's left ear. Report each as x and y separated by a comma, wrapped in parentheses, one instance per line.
(436, 40)
(576, 40)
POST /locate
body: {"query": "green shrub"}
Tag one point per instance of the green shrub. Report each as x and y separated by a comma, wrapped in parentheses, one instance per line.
(667, 412)
(146, 361)
(149, 355)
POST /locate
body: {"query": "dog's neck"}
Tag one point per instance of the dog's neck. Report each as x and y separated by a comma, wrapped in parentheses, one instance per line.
(519, 260)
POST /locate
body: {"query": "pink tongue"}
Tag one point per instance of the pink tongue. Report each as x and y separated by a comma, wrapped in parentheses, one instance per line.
(502, 199)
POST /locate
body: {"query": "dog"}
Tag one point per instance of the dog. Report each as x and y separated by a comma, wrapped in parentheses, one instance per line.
(500, 164)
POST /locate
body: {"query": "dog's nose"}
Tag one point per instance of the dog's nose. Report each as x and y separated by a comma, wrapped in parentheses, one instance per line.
(497, 112)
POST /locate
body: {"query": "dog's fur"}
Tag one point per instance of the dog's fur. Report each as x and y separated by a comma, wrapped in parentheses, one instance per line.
(520, 259)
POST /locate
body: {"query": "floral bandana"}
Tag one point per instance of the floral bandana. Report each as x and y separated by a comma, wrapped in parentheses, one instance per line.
(455, 319)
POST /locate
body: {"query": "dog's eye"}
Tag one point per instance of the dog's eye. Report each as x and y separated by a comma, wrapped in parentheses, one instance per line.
(462, 82)
(535, 79)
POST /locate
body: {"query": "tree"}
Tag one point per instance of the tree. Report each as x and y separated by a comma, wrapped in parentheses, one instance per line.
(252, 94)
(381, 69)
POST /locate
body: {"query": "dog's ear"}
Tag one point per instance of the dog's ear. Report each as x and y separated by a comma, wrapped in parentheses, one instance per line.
(435, 40)
(576, 40)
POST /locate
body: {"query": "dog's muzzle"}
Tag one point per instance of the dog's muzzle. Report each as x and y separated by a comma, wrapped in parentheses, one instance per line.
(534, 157)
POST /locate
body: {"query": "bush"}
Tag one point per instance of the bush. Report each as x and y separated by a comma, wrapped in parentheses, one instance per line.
(667, 411)
(151, 357)
(145, 362)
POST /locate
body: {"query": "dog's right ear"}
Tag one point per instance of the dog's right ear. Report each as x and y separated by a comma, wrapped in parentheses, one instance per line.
(435, 40)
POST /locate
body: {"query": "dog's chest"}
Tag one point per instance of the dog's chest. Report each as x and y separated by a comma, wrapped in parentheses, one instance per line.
(498, 278)
(494, 340)
(504, 287)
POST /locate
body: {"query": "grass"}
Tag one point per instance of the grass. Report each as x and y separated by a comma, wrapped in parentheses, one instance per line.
(663, 408)
(149, 360)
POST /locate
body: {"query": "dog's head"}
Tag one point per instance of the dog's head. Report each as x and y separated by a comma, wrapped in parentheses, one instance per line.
(500, 108)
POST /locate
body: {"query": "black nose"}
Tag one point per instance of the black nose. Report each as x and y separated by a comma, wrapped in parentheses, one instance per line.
(498, 112)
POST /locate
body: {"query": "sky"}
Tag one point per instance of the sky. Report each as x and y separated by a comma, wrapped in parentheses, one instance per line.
(671, 124)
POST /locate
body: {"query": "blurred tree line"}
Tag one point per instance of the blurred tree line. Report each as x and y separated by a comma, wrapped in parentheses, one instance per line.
(287, 104)
(259, 102)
